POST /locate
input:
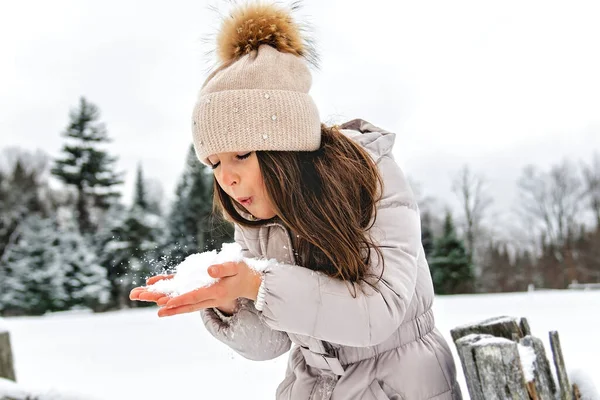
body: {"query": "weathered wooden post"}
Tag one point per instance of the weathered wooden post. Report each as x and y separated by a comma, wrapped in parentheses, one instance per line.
(543, 386)
(490, 353)
(7, 369)
(492, 367)
(566, 392)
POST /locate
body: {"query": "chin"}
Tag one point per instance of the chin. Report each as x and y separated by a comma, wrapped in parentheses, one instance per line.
(264, 215)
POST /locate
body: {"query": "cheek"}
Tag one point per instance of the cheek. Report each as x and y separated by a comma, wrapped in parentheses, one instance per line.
(220, 183)
(259, 183)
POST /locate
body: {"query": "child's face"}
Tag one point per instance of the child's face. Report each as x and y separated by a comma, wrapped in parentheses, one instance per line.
(239, 176)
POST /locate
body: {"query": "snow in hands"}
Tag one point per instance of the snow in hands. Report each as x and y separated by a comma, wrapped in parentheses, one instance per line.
(192, 273)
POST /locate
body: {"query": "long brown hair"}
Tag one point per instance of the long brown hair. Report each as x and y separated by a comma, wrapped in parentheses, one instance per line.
(328, 200)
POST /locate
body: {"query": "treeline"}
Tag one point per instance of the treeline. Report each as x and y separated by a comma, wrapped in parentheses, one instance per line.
(79, 245)
(549, 239)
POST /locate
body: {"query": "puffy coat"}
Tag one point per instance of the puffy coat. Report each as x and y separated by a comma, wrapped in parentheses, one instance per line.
(378, 345)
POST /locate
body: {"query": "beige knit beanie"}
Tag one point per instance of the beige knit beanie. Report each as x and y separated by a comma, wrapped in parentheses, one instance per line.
(257, 98)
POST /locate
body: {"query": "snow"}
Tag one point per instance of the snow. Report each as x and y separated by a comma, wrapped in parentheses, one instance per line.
(585, 384)
(3, 325)
(11, 390)
(527, 355)
(485, 341)
(192, 273)
(134, 354)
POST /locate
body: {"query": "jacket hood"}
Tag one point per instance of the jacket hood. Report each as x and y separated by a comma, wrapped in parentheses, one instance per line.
(376, 141)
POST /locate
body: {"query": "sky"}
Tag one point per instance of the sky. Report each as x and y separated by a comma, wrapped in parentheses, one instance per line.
(495, 85)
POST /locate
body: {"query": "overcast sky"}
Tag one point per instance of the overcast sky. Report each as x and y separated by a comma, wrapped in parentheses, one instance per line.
(495, 85)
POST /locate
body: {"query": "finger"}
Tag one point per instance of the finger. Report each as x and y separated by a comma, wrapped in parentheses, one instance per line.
(150, 296)
(193, 297)
(223, 270)
(152, 280)
(135, 293)
(163, 300)
(167, 312)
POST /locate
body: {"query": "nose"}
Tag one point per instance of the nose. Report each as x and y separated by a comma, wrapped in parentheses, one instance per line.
(229, 177)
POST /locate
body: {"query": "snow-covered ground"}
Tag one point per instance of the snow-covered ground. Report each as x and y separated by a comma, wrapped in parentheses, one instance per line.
(134, 354)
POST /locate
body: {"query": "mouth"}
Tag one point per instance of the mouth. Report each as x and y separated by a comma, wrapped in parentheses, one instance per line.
(245, 201)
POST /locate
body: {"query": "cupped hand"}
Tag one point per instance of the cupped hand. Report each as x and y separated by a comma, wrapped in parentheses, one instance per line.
(143, 294)
(236, 279)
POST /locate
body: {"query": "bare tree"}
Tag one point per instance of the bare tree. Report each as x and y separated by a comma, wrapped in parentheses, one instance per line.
(470, 189)
(591, 176)
(551, 200)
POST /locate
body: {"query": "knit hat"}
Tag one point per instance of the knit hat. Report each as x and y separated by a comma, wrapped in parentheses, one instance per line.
(257, 98)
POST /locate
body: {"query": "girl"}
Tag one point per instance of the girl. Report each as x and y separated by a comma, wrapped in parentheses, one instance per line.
(350, 290)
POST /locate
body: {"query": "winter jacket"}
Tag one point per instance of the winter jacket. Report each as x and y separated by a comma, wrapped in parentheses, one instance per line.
(378, 345)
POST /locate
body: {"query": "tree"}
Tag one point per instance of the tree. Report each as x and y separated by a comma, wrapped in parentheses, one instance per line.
(113, 256)
(140, 195)
(471, 189)
(552, 200)
(591, 175)
(23, 190)
(451, 267)
(491, 269)
(587, 250)
(130, 245)
(524, 270)
(85, 282)
(33, 281)
(85, 166)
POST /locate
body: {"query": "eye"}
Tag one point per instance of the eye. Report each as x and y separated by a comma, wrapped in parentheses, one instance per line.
(213, 166)
(244, 156)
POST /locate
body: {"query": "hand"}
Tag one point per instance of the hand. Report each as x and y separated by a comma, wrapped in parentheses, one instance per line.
(236, 280)
(143, 294)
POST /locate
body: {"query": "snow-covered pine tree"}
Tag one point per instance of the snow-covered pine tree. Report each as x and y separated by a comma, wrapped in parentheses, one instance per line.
(450, 265)
(33, 281)
(85, 283)
(21, 189)
(142, 230)
(129, 245)
(112, 256)
(87, 167)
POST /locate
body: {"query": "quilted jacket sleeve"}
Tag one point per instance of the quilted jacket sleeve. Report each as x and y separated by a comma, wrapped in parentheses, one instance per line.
(246, 332)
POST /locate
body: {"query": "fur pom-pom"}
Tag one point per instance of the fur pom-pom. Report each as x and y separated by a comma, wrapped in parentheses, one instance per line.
(251, 25)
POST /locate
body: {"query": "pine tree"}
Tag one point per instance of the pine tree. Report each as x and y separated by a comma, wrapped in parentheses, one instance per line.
(87, 167)
(85, 284)
(131, 248)
(20, 196)
(112, 254)
(33, 281)
(140, 196)
(142, 231)
(450, 264)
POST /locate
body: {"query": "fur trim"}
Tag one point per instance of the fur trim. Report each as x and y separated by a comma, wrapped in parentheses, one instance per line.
(252, 25)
